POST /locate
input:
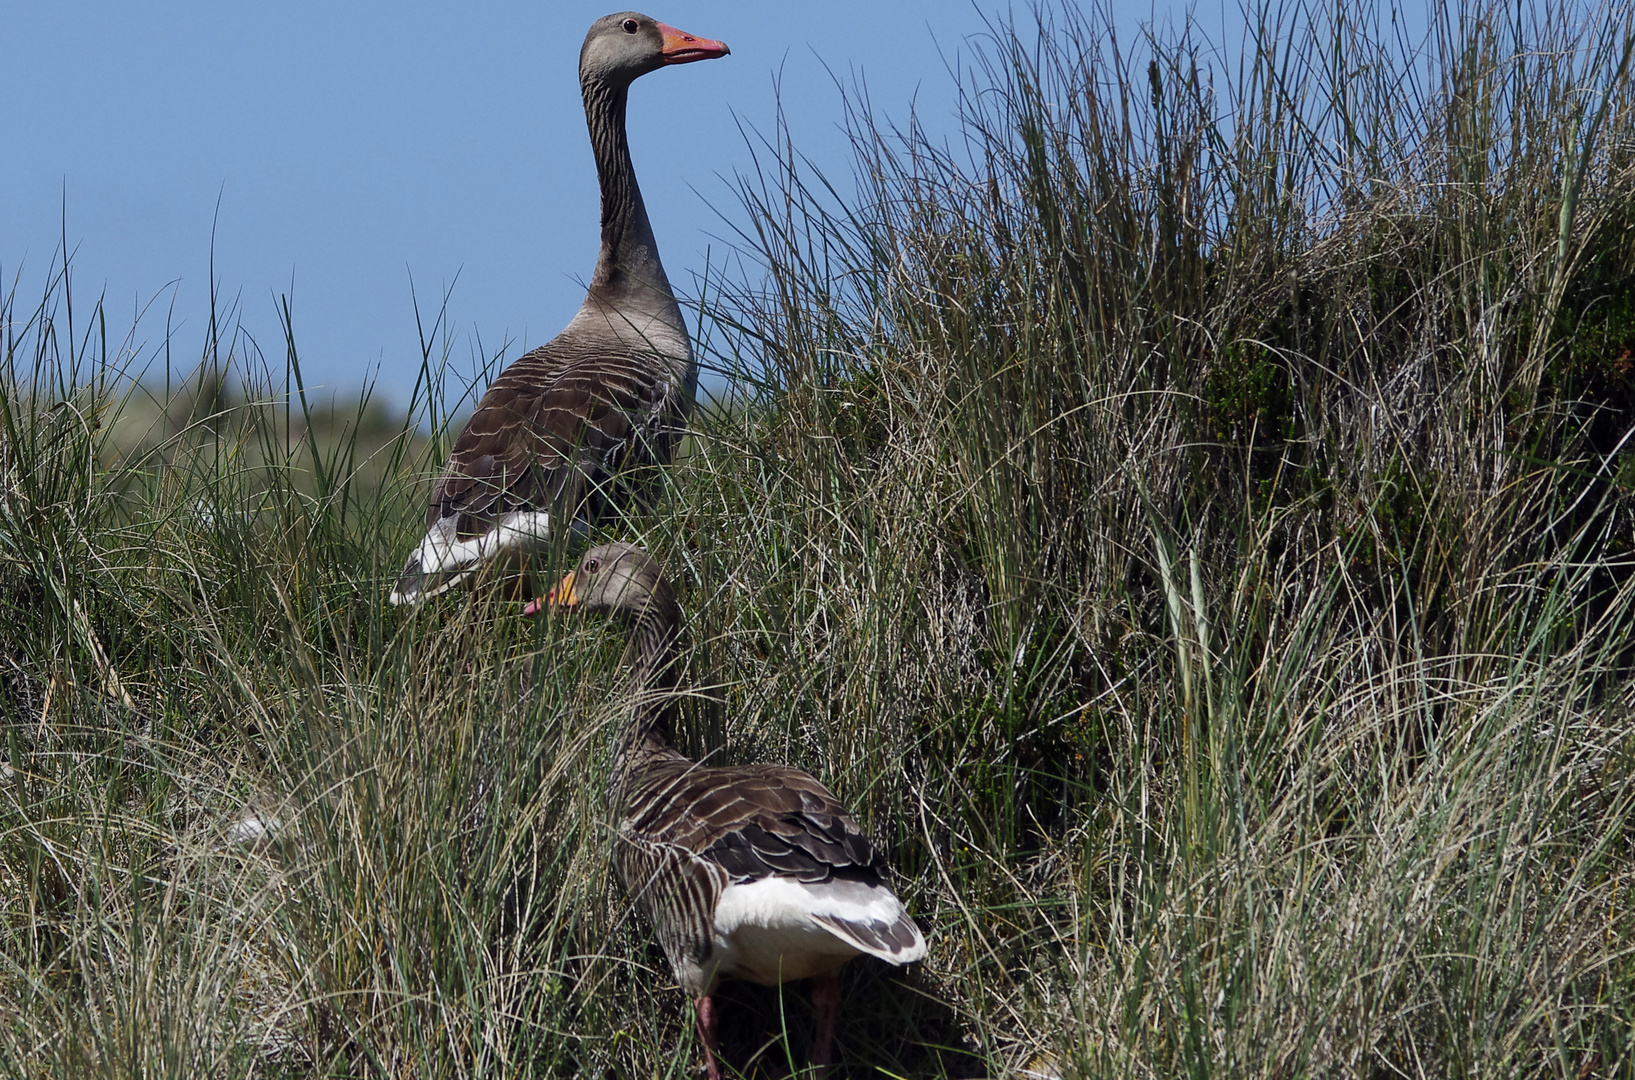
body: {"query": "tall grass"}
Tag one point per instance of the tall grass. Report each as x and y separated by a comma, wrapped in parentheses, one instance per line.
(1199, 513)
(1188, 519)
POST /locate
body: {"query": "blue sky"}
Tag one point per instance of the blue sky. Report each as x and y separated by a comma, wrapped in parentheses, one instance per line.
(350, 145)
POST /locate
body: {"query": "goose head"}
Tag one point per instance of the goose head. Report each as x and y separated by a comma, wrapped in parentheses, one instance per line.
(612, 578)
(623, 47)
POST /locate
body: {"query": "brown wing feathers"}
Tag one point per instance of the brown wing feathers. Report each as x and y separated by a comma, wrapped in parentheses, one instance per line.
(689, 832)
(757, 821)
(529, 447)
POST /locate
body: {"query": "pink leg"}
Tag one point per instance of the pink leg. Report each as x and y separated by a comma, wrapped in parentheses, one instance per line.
(706, 1033)
(826, 1003)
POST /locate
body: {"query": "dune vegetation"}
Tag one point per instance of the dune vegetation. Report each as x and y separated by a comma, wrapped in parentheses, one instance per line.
(1190, 519)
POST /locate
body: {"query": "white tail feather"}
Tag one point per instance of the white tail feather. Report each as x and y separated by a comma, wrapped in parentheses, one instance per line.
(441, 562)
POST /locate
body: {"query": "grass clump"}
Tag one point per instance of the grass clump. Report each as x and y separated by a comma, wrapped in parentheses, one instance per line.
(1187, 520)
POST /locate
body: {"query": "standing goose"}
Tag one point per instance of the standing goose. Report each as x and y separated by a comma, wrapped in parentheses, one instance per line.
(752, 871)
(610, 393)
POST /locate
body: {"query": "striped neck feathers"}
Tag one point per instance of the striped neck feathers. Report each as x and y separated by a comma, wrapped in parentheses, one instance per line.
(650, 663)
(629, 259)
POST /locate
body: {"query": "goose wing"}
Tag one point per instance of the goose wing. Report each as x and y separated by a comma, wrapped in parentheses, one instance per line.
(549, 439)
(774, 821)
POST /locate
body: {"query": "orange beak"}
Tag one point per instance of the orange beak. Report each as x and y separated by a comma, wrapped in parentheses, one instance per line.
(561, 596)
(684, 48)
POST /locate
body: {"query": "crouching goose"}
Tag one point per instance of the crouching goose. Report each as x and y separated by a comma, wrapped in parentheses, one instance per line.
(563, 433)
(752, 871)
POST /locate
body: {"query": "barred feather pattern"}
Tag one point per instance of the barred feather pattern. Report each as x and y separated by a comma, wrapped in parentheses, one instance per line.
(555, 429)
(688, 831)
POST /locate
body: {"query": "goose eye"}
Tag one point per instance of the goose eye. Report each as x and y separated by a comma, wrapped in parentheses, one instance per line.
(631, 26)
(592, 565)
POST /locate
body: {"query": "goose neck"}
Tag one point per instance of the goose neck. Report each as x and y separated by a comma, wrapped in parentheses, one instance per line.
(649, 660)
(629, 255)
